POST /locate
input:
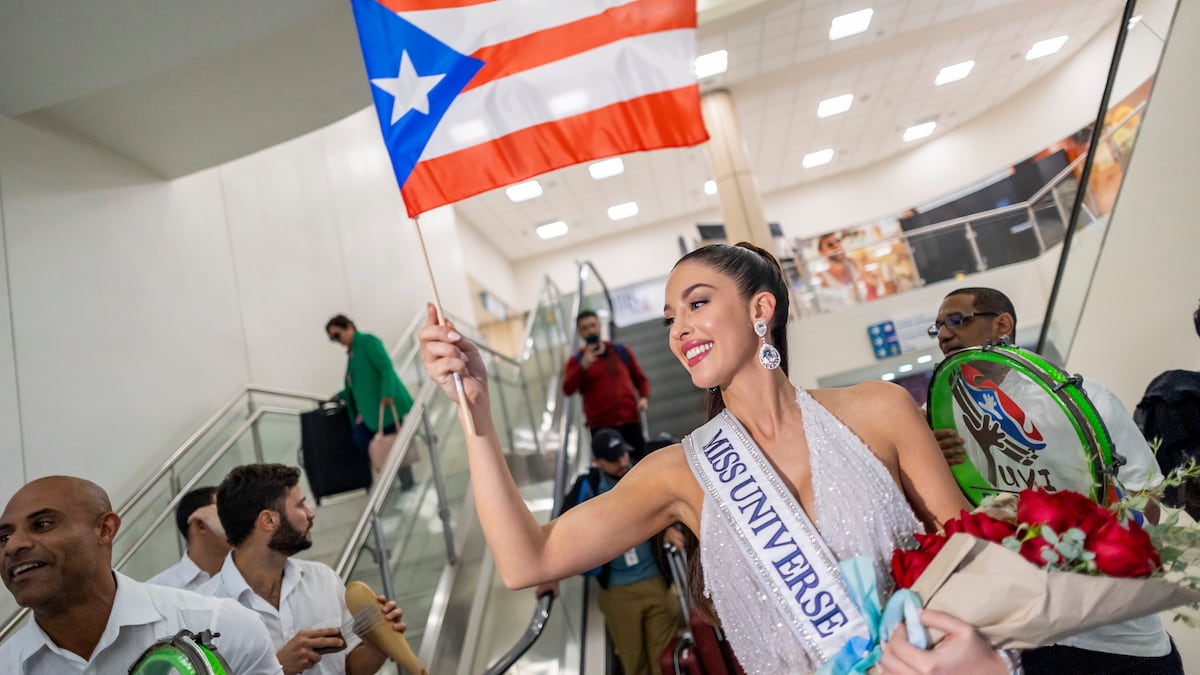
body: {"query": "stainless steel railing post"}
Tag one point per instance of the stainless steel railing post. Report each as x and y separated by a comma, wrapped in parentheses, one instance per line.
(439, 486)
(382, 558)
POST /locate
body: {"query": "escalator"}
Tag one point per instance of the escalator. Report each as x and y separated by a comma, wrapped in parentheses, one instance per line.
(420, 546)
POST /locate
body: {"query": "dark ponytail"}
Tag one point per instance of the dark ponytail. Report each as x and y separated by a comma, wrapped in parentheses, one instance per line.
(753, 270)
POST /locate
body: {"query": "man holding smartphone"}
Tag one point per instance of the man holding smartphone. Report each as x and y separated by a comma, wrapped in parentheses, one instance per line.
(614, 389)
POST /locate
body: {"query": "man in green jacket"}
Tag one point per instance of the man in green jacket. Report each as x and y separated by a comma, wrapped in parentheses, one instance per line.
(370, 383)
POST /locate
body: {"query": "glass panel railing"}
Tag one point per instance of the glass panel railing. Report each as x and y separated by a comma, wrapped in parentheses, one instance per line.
(410, 521)
(1110, 156)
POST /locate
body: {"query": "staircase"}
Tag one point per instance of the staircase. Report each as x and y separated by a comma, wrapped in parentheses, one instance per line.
(676, 405)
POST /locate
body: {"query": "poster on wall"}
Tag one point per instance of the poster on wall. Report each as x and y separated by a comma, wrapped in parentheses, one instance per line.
(859, 264)
(639, 302)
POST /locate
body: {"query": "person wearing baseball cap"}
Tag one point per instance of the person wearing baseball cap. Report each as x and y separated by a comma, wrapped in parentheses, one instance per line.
(641, 614)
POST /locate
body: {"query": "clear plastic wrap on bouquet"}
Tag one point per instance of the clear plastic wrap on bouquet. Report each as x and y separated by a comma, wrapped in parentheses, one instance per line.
(1016, 604)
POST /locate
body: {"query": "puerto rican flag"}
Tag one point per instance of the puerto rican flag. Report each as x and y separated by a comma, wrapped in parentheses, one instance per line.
(476, 94)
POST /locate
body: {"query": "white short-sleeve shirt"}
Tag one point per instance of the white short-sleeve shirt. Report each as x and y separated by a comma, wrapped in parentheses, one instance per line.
(143, 614)
(312, 596)
(184, 574)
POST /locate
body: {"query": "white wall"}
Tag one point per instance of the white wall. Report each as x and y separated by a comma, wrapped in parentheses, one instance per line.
(486, 265)
(140, 305)
(1052, 108)
(829, 344)
(1137, 321)
(11, 457)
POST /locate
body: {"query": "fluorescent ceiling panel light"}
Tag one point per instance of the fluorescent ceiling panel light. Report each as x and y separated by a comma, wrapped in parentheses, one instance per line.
(522, 192)
(917, 131)
(953, 73)
(888, 377)
(712, 63)
(817, 158)
(623, 211)
(905, 368)
(1045, 47)
(607, 169)
(850, 24)
(551, 230)
(710, 187)
(925, 358)
(835, 106)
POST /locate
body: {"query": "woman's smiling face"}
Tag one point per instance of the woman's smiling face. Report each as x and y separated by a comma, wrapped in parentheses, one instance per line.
(709, 322)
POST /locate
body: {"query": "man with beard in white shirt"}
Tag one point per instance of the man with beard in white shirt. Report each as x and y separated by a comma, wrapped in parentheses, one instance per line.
(301, 602)
(56, 537)
(198, 523)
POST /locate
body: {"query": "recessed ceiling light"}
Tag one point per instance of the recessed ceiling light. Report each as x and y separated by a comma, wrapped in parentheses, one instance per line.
(953, 73)
(551, 230)
(925, 358)
(888, 377)
(850, 24)
(607, 169)
(623, 211)
(905, 368)
(522, 192)
(1045, 47)
(712, 63)
(817, 158)
(919, 131)
(710, 187)
(835, 106)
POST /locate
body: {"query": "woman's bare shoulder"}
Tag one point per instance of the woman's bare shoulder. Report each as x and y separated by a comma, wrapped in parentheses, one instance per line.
(872, 396)
(667, 469)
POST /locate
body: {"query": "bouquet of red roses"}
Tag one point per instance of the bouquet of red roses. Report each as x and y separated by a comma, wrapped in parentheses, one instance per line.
(1033, 571)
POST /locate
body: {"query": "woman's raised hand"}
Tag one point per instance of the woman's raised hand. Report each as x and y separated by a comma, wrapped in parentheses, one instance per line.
(444, 351)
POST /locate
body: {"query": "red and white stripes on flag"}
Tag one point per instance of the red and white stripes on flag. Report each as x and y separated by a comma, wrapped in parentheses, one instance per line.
(564, 82)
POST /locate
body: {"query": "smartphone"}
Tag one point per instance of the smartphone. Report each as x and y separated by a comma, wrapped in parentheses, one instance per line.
(593, 339)
(332, 650)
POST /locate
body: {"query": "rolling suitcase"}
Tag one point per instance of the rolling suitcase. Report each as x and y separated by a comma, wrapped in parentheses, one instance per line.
(701, 649)
(331, 462)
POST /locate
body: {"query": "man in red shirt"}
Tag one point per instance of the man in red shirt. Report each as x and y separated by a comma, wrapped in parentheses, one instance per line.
(615, 391)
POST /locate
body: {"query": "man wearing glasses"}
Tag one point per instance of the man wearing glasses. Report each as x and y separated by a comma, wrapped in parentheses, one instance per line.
(972, 317)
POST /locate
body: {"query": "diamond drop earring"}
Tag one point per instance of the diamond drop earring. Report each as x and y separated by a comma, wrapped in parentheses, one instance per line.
(768, 355)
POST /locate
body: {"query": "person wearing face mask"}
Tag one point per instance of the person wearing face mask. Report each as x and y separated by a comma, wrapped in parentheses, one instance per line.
(778, 486)
(973, 317)
(198, 523)
(301, 602)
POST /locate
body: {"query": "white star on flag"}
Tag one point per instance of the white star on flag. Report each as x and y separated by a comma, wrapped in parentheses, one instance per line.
(409, 90)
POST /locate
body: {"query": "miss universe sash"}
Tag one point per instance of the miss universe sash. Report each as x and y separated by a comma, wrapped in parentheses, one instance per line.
(776, 538)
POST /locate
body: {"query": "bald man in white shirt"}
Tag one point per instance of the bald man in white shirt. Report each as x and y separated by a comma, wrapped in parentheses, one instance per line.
(56, 538)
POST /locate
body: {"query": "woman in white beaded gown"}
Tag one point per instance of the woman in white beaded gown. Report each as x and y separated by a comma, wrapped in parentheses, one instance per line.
(779, 486)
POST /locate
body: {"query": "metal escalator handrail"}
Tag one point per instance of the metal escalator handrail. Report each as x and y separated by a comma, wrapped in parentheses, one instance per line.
(144, 488)
(208, 425)
(383, 485)
(545, 602)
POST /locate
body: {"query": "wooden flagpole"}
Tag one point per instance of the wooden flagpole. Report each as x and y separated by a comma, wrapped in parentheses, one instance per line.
(467, 421)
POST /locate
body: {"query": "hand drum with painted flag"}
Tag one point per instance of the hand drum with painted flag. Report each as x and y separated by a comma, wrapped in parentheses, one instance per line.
(1024, 423)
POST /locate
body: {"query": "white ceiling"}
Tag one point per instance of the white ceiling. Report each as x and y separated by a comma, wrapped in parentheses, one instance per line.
(182, 86)
(781, 64)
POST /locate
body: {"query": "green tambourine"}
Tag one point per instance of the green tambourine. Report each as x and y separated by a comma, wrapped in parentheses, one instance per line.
(1024, 423)
(186, 653)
